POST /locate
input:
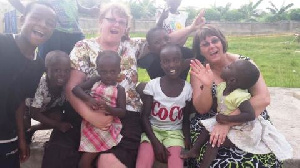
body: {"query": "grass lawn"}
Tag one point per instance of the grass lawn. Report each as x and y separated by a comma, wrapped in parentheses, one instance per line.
(274, 54)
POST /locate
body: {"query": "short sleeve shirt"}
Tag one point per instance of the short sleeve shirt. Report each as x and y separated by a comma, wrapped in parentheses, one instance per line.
(83, 58)
(174, 21)
(167, 112)
(43, 98)
(227, 104)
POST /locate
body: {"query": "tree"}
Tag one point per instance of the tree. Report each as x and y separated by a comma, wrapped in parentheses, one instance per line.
(278, 14)
(233, 15)
(295, 14)
(142, 9)
(192, 12)
(212, 15)
(250, 11)
(222, 10)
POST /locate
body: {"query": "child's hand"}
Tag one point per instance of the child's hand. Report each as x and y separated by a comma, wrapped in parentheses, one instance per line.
(102, 105)
(222, 119)
(64, 126)
(187, 143)
(93, 103)
(165, 13)
(161, 152)
(24, 151)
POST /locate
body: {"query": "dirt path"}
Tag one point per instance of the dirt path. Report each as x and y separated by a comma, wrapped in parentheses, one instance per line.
(284, 111)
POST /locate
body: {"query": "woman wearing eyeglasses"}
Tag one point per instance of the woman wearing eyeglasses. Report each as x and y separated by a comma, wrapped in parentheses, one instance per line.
(210, 47)
(114, 20)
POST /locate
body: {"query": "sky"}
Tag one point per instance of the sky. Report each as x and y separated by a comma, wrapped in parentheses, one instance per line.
(234, 3)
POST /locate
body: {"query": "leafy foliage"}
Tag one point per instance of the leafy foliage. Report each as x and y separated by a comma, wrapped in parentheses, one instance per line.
(233, 15)
(295, 14)
(142, 9)
(278, 14)
(250, 11)
(212, 15)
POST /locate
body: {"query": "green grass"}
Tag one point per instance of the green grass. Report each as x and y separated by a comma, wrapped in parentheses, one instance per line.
(275, 56)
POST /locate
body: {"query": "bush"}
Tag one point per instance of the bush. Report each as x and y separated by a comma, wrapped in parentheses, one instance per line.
(295, 14)
(233, 15)
(211, 14)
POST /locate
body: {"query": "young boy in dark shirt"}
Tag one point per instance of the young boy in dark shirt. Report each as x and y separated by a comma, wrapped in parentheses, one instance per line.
(20, 72)
(157, 38)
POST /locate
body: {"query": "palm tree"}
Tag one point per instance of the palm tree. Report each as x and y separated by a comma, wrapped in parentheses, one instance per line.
(222, 10)
(142, 9)
(250, 10)
(279, 13)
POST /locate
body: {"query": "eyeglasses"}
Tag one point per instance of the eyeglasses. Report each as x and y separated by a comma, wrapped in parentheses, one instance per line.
(114, 21)
(207, 44)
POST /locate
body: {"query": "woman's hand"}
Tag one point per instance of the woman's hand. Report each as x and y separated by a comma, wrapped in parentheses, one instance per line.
(202, 73)
(218, 135)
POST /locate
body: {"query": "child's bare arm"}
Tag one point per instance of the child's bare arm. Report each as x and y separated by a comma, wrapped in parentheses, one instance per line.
(247, 114)
(23, 147)
(120, 110)
(186, 125)
(164, 15)
(79, 90)
(160, 151)
(39, 116)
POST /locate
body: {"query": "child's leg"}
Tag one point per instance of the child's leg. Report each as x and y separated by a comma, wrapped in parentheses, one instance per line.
(174, 159)
(86, 160)
(194, 152)
(145, 158)
(211, 153)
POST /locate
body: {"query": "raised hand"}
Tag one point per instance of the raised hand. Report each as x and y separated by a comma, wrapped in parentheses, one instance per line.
(165, 13)
(203, 73)
(199, 20)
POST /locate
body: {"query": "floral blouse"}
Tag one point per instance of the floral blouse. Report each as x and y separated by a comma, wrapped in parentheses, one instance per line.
(43, 98)
(83, 58)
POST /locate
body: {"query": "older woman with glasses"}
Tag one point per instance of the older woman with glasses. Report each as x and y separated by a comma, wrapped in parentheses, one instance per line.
(210, 47)
(114, 20)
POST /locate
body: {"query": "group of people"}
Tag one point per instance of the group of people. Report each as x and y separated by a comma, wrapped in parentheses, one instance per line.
(102, 116)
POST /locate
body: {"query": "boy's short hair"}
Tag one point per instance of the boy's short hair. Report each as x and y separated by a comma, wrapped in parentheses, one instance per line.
(29, 6)
(54, 56)
(171, 46)
(108, 54)
(247, 74)
(151, 32)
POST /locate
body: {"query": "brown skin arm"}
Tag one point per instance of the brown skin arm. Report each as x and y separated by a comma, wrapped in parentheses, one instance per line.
(39, 116)
(18, 5)
(120, 110)
(23, 147)
(98, 119)
(247, 114)
(160, 151)
(79, 91)
(186, 125)
(164, 15)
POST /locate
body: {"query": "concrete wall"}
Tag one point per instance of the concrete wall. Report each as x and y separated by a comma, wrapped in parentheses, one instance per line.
(229, 28)
(90, 26)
